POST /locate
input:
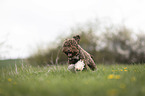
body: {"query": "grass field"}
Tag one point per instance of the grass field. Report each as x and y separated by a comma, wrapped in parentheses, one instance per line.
(18, 79)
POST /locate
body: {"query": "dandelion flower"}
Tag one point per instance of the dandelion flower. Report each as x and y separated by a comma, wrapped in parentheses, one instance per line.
(133, 79)
(112, 92)
(122, 86)
(117, 76)
(125, 68)
(14, 83)
(113, 70)
(9, 79)
(111, 76)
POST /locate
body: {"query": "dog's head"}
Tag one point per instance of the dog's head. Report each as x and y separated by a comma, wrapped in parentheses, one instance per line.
(70, 46)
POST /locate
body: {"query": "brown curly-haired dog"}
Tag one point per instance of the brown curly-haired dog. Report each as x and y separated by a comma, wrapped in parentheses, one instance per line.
(75, 53)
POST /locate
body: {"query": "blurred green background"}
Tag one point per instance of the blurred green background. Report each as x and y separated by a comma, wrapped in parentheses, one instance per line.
(113, 44)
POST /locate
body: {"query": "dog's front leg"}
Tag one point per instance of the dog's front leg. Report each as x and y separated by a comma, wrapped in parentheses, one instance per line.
(70, 61)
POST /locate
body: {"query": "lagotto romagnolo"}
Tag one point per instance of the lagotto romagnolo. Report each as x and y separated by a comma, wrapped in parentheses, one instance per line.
(75, 53)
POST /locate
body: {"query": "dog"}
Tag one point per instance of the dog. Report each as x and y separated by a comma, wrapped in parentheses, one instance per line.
(76, 53)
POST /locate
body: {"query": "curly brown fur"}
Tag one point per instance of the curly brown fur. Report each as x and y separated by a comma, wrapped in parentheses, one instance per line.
(75, 53)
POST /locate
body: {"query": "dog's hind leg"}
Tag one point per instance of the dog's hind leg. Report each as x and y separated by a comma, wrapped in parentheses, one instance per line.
(92, 65)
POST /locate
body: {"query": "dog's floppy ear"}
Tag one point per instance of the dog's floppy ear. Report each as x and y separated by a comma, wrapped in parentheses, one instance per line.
(77, 38)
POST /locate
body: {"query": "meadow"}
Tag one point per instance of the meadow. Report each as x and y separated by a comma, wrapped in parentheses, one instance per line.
(20, 79)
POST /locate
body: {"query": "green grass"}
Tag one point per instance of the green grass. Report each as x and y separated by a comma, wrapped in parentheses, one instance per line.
(109, 80)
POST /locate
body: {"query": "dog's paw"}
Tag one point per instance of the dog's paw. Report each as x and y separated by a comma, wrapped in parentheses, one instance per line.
(79, 66)
(71, 67)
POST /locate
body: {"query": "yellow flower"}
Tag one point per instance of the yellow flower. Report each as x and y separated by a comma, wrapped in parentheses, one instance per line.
(125, 68)
(9, 79)
(121, 70)
(14, 83)
(122, 86)
(113, 70)
(111, 76)
(133, 79)
(112, 92)
(117, 77)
